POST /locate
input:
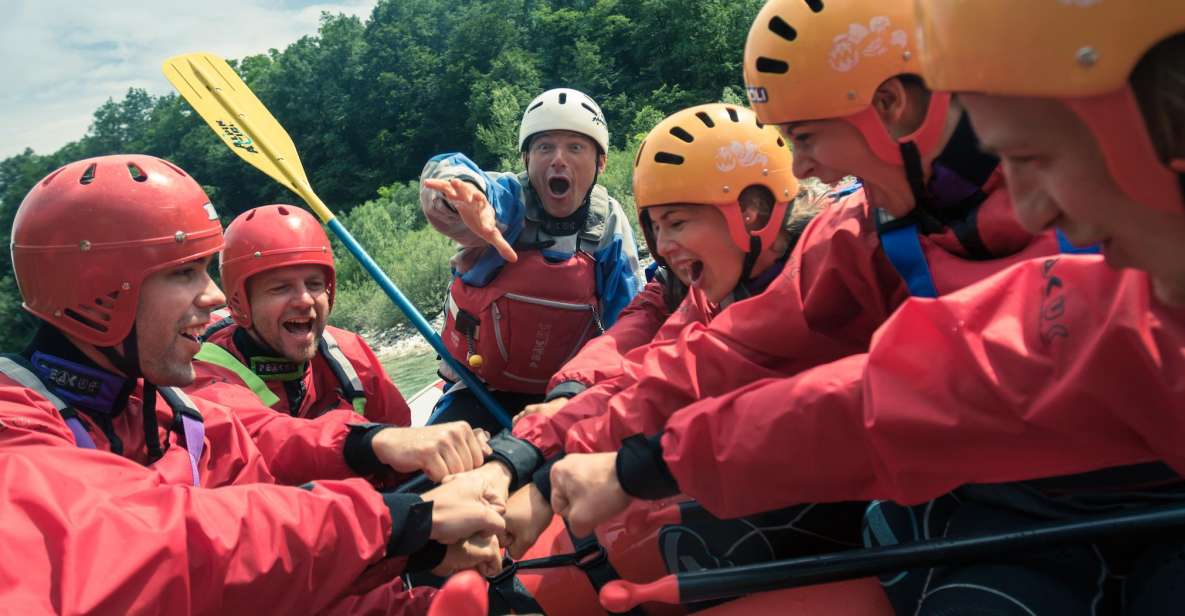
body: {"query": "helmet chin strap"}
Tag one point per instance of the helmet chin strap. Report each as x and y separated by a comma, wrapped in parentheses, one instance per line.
(128, 362)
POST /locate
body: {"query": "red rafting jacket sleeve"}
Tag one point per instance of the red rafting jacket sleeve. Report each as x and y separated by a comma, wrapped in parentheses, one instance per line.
(833, 292)
(547, 433)
(1054, 367)
(384, 402)
(600, 358)
(297, 450)
(71, 512)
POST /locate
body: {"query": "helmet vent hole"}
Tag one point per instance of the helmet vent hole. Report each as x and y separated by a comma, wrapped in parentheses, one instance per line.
(760, 124)
(667, 158)
(51, 176)
(732, 114)
(778, 26)
(137, 173)
(173, 167)
(816, 6)
(590, 109)
(769, 65)
(535, 106)
(683, 135)
(563, 97)
(88, 176)
(91, 323)
(706, 119)
(282, 210)
(251, 215)
(781, 144)
(638, 158)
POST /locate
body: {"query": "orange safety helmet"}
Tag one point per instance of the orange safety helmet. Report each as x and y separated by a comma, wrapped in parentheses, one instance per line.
(267, 238)
(1079, 51)
(815, 60)
(85, 238)
(708, 155)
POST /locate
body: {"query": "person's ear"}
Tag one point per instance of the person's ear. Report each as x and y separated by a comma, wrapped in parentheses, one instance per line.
(890, 101)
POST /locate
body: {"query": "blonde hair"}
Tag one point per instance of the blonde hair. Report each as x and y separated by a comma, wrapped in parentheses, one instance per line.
(1158, 82)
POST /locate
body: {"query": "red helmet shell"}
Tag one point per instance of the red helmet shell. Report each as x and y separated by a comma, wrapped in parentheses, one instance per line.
(266, 238)
(85, 238)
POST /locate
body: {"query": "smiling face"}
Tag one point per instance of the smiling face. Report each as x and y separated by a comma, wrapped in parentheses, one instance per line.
(175, 305)
(289, 309)
(831, 150)
(695, 243)
(1058, 178)
(561, 166)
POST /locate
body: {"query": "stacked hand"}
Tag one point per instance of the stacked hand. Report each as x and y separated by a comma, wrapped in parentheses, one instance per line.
(439, 450)
(528, 514)
(585, 491)
(547, 409)
(481, 552)
(475, 211)
(464, 506)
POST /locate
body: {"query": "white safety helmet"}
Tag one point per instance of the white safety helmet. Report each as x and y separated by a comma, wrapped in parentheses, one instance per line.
(564, 109)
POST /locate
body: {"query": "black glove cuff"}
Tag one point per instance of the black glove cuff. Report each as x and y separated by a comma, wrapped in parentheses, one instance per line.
(567, 389)
(642, 472)
(542, 477)
(359, 449)
(411, 523)
(521, 457)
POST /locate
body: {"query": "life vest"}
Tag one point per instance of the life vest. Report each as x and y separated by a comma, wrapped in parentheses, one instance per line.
(327, 347)
(187, 419)
(533, 315)
(900, 240)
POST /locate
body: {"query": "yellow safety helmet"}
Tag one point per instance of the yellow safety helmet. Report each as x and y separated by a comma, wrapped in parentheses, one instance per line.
(815, 60)
(708, 155)
(1080, 51)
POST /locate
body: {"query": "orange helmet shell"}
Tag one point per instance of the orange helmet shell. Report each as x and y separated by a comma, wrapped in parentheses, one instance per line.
(810, 59)
(708, 155)
(87, 235)
(267, 238)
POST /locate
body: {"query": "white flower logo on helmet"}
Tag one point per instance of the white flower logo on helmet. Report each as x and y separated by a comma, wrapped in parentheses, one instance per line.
(872, 40)
(736, 153)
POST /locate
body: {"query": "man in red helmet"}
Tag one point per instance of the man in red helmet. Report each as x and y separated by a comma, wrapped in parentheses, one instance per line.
(120, 473)
(277, 348)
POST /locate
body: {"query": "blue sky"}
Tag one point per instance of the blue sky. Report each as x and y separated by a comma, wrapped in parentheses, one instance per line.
(60, 60)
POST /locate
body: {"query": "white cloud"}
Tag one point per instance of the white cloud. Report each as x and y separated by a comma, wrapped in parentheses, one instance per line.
(60, 60)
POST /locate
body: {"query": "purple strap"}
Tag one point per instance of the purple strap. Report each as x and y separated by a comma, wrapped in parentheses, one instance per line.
(81, 437)
(195, 441)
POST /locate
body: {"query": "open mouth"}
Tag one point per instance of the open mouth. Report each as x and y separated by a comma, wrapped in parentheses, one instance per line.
(697, 272)
(193, 333)
(298, 327)
(558, 187)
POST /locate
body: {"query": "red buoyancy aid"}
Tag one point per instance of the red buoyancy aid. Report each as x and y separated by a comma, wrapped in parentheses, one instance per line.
(524, 325)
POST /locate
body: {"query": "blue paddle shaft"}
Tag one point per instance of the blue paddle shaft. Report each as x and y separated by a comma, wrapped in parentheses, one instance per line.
(419, 322)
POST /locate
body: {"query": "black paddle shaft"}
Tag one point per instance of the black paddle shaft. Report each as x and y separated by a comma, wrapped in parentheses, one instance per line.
(851, 564)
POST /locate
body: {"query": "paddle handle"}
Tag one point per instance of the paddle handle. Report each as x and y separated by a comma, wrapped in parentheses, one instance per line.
(420, 323)
(619, 595)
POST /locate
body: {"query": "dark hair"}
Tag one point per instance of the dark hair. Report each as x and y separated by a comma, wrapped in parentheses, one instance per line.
(1158, 82)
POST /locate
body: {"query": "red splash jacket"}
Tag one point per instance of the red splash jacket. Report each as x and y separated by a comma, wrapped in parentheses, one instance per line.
(308, 442)
(1055, 367)
(89, 531)
(836, 289)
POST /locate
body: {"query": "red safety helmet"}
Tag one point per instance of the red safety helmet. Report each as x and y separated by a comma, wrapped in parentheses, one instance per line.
(86, 237)
(266, 238)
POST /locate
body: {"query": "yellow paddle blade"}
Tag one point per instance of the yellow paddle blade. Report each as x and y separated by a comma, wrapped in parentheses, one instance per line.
(241, 120)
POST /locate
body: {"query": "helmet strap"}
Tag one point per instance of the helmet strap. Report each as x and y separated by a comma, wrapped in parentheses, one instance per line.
(129, 361)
